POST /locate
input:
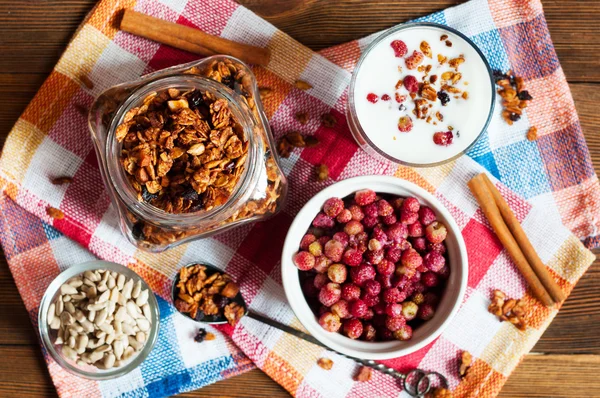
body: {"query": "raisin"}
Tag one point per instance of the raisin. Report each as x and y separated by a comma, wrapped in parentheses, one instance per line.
(443, 97)
(147, 196)
(138, 231)
(199, 337)
(189, 194)
(195, 99)
(228, 81)
(402, 107)
(524, 96)
(199, 316)
(220, 301)
(515, 117)
(499, 75)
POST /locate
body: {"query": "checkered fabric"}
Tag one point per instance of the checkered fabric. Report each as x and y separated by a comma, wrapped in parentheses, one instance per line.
(549, 183)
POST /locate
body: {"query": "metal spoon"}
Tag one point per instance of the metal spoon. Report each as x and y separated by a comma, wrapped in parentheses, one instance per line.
(416, 383)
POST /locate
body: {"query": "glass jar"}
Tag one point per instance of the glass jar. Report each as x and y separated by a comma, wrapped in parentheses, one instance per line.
(258, 193)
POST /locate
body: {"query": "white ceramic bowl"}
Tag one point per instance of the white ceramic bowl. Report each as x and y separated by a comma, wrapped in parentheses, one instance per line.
(423, 335)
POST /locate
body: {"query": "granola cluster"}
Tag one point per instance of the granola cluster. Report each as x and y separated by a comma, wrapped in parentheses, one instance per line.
(510, 310)
(200, 294)
(182, 151)
(514, 96)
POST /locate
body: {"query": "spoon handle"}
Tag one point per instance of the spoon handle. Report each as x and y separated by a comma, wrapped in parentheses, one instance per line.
(307, 337)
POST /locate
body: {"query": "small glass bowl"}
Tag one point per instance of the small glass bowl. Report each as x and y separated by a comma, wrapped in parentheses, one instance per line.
(48, 336)
(359, 134)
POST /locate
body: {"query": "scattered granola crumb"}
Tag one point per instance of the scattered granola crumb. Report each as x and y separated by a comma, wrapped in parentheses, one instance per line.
(311, 141)
(302, 85)
(302, 117)
(55, 213)
(328, 120)
(265, 92)
(448, 43)
(87, 82)
(295, 139)
(364, 374)
(325, 363)
(443, 37)
(466, 360)
(284, 147)
(61, 180)
(510, 310)
(82, 109)
(439, 393)
(532, 134)
(200, 335)
(322, 172)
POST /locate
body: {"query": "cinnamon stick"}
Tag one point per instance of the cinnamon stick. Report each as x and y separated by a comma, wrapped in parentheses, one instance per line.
(519, 234)
(488, 205)
(190, 39)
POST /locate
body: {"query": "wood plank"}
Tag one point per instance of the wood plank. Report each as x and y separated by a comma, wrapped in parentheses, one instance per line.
(23, 373)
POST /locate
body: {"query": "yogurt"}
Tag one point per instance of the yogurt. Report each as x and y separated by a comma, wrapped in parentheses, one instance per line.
(379, 83)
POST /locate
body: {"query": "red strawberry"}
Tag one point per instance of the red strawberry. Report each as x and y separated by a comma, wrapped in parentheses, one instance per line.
(411, 84)
(372, 98)
(399, 47)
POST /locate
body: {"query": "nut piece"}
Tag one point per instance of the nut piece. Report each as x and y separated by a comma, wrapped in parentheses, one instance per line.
(295, 139)
(62, 180)
(328, 120)
(302, 85)
(322, 172)
(364, 374)
(466, 360)
(510, 310)
(55, 213)
(325, 363)
(302, 117)
(265, 92)
(439, 393)
(532, 134)
(426, 49)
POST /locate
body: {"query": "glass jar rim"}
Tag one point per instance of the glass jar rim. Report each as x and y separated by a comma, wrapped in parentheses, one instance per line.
(117, 174)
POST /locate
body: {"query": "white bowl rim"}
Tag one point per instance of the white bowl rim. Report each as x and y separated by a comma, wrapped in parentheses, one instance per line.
(336, 341)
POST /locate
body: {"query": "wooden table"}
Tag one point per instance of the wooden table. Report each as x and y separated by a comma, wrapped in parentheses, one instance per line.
(33, 34)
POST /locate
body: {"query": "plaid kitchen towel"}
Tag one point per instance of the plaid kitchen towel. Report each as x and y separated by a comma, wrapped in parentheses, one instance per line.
(550, 183)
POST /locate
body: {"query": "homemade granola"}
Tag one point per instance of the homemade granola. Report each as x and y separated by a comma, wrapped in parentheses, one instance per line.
(199, 294)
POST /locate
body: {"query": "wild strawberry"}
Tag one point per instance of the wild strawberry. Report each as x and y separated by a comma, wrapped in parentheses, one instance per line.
(426, 215)
(436, 232)
(393, 254)
(374, 257)
(356, 212)
(408, 217)
(443, 138)
(341, 237)
(405, 124)
(444, 272)
(372, 287)
(307, 240)
(370, 300)
(324, 239)
(394, 323)
(370, 222)
(403, 270)
(362, 273)
(384, 208)
(393, 310)
(385, 334)
(430, 279)
(411, 83)
(375, 245)
(437, 247)
(330, 294)
(344, 216)
(384, 280)
(321, 264)
(372, 98)
(404, 333)
(391, 295)
(369, 332)
(431, 298)
(389, 220)
(386, 267)
(334, 250)
(418, 298)
(350, 292)
(353, 328)
(341, 309)
(411, 259)
(411, 204)
(323, 221)
(370, 210)
(397, 232)
(409, 310)
(353, 227)
(337, 273)
(419, 244)
(368, 315)
(333, 206)
(426, 312)
(415, 230)
(364, 197)
(330, 322)
(358, 308)
(315, 248)
(414, 60)
(320, 281)
(399, 48)
(304, 260)
(352, 257)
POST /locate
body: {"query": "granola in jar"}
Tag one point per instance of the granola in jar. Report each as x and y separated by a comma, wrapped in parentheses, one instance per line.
(187, 152)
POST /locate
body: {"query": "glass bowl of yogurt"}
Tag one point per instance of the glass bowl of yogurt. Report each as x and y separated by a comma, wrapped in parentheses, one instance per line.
(421, 95)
